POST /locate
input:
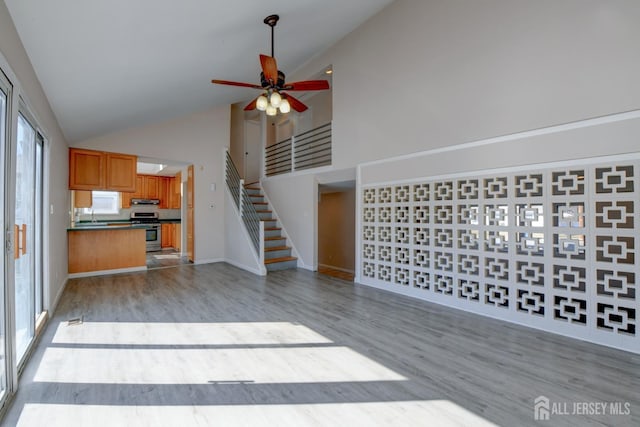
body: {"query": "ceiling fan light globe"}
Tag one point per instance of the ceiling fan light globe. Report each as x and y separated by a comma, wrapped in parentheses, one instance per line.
(262, 102)
(271, 110)
(285, 107)
(275, 99)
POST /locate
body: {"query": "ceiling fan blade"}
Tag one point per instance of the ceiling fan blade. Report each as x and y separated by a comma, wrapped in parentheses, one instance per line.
(252, 105)
(308, 85)
(295, 103)
(269, 68)
(228, 83)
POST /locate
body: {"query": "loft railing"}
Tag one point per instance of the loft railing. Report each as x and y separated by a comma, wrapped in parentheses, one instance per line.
(246, 209)
(278, 157)
(310, 149)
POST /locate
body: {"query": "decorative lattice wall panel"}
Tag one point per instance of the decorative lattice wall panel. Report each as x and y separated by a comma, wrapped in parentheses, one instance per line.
(554, 247)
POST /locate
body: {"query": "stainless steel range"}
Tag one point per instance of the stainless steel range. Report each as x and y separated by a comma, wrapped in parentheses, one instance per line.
(150, 222)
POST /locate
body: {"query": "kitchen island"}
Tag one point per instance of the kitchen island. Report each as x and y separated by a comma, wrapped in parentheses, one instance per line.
(104, 249)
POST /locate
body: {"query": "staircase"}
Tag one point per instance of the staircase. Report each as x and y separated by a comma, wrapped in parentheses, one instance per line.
(277, 255)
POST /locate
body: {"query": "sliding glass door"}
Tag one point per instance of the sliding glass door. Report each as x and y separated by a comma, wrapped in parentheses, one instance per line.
(27, 234)
(4, 120)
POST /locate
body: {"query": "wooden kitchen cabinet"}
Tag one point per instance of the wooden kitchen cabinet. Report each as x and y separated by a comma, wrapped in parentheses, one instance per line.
(86, 169)
(171, 236)
(175, 199)
(138, 194)
(104, 250)
(170, 197)
(119, 172)
(165, 185)
(152, 187)
(97, 170)
(177, 237)
(82, 199)
(176, 195)
(167, 235)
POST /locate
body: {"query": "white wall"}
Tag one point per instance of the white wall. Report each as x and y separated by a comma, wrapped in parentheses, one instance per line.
(16, 64)
(426, 74)
(238, 246)
(198, 139)
(295, 203)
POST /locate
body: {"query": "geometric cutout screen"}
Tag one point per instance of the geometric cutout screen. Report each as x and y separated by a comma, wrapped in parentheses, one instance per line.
(556, 248)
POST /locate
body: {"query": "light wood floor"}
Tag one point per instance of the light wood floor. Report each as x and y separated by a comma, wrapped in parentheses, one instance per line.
(165, 258)
(214, 345)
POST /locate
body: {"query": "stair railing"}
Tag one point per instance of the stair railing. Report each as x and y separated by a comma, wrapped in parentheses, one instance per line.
(247, 211)
(307, 150)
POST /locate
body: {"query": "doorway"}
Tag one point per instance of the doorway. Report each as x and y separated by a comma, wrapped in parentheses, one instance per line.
(336, 229)
(252, 151)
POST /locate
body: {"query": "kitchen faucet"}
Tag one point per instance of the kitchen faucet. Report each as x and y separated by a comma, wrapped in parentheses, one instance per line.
(93, 217)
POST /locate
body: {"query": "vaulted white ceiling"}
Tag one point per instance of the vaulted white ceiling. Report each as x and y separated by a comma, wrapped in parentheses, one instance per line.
(106, 65)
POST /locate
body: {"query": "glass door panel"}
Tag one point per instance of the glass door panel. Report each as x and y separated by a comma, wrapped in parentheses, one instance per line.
(3, 330)
(38, 250)
(24, 232)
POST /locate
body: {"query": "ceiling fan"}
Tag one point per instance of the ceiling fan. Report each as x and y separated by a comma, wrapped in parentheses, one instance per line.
(272, 82)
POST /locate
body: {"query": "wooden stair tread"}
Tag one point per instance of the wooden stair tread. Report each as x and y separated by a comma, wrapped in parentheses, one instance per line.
(277, 248)
(272, 228)
(275, 238)
(281, 259)
(263, 211)
(259, 203)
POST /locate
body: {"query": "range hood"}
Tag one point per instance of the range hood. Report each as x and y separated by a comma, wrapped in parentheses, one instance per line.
(145, 201)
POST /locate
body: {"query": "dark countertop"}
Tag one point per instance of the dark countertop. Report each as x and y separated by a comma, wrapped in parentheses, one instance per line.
(105, 226)
(117, 224)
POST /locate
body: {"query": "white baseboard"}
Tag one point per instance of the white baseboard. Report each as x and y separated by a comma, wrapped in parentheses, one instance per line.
(54, 304)
(258, 272)
(301, 264)
(209, 261)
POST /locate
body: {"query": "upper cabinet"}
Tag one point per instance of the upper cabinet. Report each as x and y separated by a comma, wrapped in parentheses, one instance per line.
(152, 187)
(175, 192)
(97, 170)
(86, 169)
(121, 172)
(155, 187)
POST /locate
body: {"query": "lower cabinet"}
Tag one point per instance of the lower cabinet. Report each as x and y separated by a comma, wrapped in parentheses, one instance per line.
(177, 237)
(167, 235)
(105, 249)
(171, 236)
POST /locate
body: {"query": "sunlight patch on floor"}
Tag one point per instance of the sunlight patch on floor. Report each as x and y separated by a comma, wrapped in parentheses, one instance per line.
(132, 333)
(440, 413)
(205, 366)
(169, 256)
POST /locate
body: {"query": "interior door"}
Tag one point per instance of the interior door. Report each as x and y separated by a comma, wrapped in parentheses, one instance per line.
(252, 151)
(27, 234)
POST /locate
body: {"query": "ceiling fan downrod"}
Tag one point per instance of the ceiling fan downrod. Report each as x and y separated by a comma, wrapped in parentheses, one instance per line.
(271, 21)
